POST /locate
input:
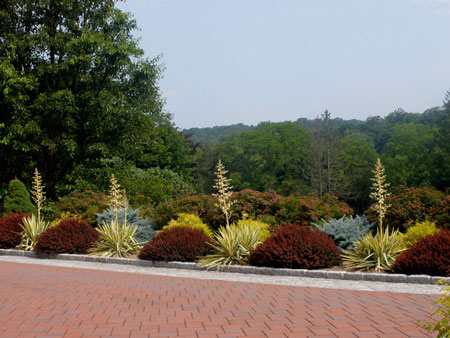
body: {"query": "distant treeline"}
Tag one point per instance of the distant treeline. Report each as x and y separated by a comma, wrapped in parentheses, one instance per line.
(329, 155)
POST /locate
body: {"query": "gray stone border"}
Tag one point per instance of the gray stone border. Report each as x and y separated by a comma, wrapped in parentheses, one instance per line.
(328, 274)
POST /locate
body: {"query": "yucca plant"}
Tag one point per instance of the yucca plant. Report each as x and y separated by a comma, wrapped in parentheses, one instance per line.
(224, 191)
(32, 227)
(116, 240)
(375, 253)
(232, 245)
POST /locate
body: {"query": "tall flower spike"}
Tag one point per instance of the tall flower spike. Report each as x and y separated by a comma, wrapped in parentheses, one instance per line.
(379, 192)
(115, 195)
(37, 192)
(224, 191)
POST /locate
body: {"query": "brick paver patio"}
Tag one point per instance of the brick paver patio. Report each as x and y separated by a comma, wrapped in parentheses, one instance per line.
(37, 300)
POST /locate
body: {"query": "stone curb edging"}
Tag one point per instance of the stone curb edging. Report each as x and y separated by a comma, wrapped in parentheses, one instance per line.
(343, 275)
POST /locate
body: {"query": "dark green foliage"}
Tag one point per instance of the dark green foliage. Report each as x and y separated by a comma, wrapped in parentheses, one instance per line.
(82, 203)
(18, 199)
(76, 90)
(273, 156)
(158, 185)
(409, 205)
(346, 230)
(145, 229)
(183, 244)
(10, 229)
(296, 247)
(430, 255)
(71, 236)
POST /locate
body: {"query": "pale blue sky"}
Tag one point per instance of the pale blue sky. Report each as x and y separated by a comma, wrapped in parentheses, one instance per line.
(231, 61)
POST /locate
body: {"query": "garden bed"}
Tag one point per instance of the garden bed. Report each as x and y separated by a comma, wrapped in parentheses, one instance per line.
(325, 273)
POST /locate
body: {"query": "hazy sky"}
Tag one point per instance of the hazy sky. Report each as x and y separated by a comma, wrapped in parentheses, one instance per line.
(231, 61)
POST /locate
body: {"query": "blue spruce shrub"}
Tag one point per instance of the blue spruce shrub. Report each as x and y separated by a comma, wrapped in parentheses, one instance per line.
(346, 230)
(145, 229)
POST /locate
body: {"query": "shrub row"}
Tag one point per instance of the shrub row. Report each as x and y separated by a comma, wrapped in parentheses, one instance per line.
(267, 206)
(408, 205)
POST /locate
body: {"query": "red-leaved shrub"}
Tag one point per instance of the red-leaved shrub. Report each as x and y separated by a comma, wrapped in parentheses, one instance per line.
(297, 247)
(307, 209)
(430, 255)
(10, 229)
(408, 205)
(182, 244)
(71, 235)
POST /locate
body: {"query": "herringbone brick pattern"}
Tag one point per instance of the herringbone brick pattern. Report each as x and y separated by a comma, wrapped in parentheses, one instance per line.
(40, 300)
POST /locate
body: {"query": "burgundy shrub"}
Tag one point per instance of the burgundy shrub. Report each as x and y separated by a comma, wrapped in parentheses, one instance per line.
(297, 247)
(430, 255)
(10, 229)
(182, 244)
(71, 236)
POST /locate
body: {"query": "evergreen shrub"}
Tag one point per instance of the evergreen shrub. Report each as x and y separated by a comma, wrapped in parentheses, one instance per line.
(179, 243)
(297, 247)
(346, 230)
(145, 230)
(18, 199)
(419, 230)
(71, 235)
(191, 221)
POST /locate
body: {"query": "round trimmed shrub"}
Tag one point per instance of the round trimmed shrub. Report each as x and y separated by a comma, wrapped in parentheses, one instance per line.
(430, 255)
(191, 221)
(297, 247)
(182, 244)
(11, 230)
(71, 235)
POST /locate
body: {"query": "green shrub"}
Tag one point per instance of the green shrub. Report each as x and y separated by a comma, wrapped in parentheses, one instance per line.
(419, 230)
(191, 221)
(18, 199)
(158, 185)
(408, 205)
(375, 252)
(85, 204)
(233, 246)
(116, 240)
(346, 230)
(145, 230)
(442, 310)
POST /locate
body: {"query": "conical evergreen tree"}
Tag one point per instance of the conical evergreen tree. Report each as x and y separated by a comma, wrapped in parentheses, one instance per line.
(18, 198)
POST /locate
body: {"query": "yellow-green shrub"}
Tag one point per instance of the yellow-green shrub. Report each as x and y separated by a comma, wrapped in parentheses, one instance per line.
(261, 227)
(419, 230)
(64, 215)
(191, 221)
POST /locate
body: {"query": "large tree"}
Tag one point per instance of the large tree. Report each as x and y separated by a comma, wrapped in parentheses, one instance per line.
(75, 88)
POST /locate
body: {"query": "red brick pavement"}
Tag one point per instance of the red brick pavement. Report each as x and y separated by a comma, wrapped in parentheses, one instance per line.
(40, 300)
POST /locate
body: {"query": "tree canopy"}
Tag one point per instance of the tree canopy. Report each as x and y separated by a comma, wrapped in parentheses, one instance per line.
(75, 89)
